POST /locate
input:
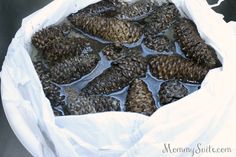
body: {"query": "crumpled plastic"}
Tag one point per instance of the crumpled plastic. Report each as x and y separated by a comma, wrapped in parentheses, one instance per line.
(205, 117)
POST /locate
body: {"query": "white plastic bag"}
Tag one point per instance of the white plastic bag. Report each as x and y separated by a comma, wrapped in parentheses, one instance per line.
(206, 116)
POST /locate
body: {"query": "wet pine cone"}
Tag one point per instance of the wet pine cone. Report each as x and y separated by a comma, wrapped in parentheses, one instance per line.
(43, 38)
(193, 45)
(161, 19)
(137, 10)
(78, 105)
(159, 43)
(168, 67)
(109, 29)
(74, 68)
(51, 90)
(140, 99)
(113, 52)
(171, 91)
(118, 76)
(64, 48)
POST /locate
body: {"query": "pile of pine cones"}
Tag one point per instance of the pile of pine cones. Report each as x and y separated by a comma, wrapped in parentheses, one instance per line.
(126, 32)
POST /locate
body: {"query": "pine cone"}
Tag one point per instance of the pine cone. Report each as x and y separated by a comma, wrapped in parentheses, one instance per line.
(159, 43)
(118, 76)
(74, 68)
(113, 52)
(161, 19)
(193, 45)
(43, 38)
(109, 29)
(64, 48)
(175, 67)
(78, 105)
(140, 99)
(137, 10)
(51, 90)
(171, 91)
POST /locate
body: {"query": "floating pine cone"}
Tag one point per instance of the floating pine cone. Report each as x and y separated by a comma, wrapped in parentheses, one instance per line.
(74, 68)
(137, 10)
(43, 38)
(113, 52)
(140, 99)
(78, 105)
(161, 19)
(64, 48)
(171, 91)
(109, 29)
(159, 43)
(175, 67)
(118, 76)
(51, 90)
(193, 46)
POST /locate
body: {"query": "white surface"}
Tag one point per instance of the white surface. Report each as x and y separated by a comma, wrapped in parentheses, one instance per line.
(206, 116)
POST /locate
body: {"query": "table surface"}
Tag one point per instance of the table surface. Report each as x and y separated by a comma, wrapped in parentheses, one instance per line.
(11, 14)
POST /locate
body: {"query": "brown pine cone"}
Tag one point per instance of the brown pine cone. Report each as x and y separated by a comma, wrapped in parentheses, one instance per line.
(64, 48)
(118, 76)
(159, 43)
(193, 45)
(161, 19)
(74, 68)
(43, 38)
(74, 105)
(175, 67)
(51, 90)
(171, 91)
(78, 105)
(137, 10)
(139, 98)
(109, 29)
(113, 52)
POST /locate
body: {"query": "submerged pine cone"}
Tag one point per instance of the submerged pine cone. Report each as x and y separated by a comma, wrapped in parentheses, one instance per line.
(78, 105)
(118, 76)
(73, 104)
(74, 68)
(159, 43)
(43, 38)
(109, 29)
(175, 67)
(51, 90)
(171, 91)
(113, 52)
(137, 10)
(162, 18)
(64, 48)
(193, 45)
(139, 98)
